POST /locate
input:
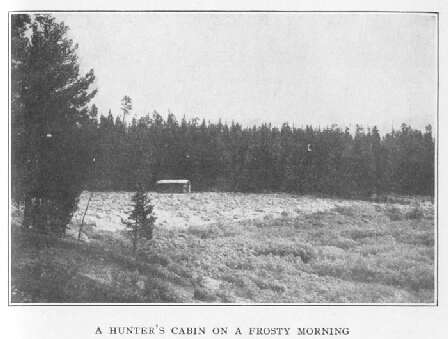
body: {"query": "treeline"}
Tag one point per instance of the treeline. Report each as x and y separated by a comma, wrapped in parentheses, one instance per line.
(229, 157)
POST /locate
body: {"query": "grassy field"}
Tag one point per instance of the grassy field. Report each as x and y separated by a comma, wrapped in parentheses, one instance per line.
(236, 248)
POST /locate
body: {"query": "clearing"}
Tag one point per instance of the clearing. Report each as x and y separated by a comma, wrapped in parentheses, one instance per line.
(237, 248)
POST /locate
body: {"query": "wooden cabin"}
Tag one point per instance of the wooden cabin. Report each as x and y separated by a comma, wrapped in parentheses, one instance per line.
(173, 186)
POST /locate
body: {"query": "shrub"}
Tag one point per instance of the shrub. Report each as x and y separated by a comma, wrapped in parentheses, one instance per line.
(416, 238)
(359, 233)
(341, 242)
(44, 280)
(344, 210)
(206, 232)
(240, 263)
(356, 270)
(265, 284)
(236, 279)
(415, 212)
(162, 260)
(305, 252)
(394, 213)
(225, 296)
(203, 294)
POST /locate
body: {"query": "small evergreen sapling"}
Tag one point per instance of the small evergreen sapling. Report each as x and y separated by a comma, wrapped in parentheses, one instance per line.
(140, 223)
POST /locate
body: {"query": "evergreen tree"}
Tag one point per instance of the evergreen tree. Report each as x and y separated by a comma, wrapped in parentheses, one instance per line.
(20, 156)
(126, 107)
(140, 223)
(49, 113)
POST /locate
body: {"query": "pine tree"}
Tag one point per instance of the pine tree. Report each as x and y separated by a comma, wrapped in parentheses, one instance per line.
(20, 164)
(140, 223)
(126, 107)
(49, 112)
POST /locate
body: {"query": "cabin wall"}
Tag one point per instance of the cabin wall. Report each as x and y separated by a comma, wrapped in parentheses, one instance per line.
(173, 188)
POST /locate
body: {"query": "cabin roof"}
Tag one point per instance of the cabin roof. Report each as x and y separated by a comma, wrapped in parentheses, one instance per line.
(175, 181)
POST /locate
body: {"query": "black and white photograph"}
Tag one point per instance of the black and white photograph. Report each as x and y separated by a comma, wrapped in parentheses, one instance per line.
(223, 157)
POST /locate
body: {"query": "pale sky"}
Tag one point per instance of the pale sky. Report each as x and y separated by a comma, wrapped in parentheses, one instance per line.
(303, 68)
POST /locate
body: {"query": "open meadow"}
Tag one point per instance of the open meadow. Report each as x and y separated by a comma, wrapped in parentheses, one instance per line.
(235, 248)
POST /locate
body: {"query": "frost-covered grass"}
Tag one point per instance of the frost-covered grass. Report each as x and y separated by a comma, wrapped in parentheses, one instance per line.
(280, 249)
(200, 209)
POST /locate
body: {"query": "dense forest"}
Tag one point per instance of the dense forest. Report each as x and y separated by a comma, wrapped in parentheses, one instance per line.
(229, 157)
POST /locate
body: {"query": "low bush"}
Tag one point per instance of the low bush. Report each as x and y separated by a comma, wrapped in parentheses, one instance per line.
(203, 294)
(181, 271)
(235, 279)
(265, 284)
(360, 233)
(225, 297)
(351, 270)
(416, 212)
(44, 279)
(345, 210)
(159, 259)
(341, 242)
(394, 213)
(240, 263)
(424, 238)
(305, 252)
(206, 232)
(157, 290)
